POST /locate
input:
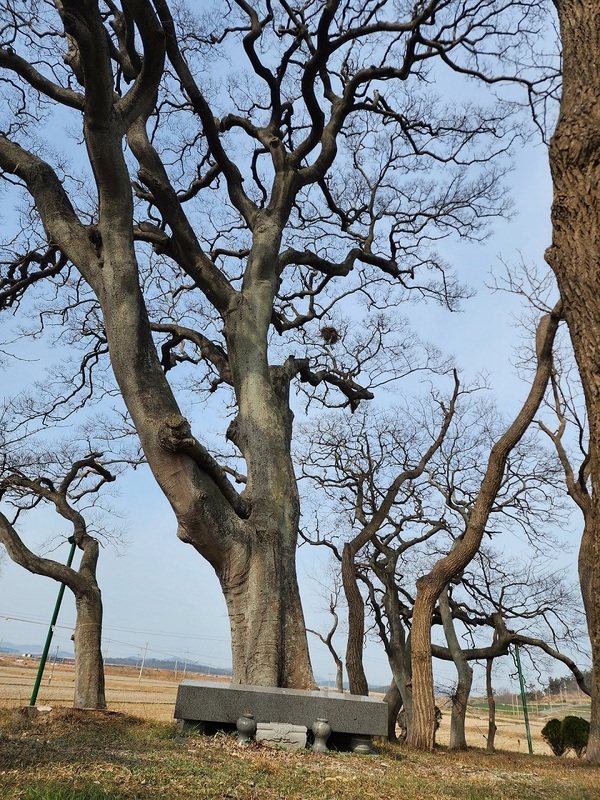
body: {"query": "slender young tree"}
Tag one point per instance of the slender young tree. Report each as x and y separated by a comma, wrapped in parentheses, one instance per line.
(327, 638)
(431, 585)
(490, 741)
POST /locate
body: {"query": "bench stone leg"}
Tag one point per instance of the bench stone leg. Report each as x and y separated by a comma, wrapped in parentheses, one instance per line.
(321, 731)
(246, 728)
(189, 726)
(362, 745)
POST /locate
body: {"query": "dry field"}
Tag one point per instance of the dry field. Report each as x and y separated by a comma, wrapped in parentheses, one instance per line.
(152, 697)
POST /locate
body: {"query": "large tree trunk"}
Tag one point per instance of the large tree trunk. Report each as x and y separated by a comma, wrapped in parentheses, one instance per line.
(262, 599)
(575, 259)
(250, 540)
(460, 699)
(89, 666)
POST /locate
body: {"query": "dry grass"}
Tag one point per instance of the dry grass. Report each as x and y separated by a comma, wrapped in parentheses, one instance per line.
(71, 755)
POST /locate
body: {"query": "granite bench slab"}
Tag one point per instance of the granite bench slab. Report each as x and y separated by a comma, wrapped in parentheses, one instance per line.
(221, 704)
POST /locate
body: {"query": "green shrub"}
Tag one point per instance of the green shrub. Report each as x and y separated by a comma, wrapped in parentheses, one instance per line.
(571, 733)
(552, 733)
(575, 733)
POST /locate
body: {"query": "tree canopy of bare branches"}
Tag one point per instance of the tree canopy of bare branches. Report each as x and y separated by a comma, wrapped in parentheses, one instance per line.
(238, 183)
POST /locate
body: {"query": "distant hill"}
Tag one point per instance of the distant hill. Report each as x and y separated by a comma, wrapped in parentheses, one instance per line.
(131, 661)
(170, 664)
(31, 649)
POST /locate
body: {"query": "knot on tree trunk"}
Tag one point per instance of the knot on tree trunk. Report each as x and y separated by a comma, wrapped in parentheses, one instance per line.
(175, 434)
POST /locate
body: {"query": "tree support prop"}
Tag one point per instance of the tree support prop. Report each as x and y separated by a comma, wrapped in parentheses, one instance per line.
(44, 658)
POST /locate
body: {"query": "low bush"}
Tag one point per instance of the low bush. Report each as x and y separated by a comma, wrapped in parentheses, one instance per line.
(571, 733)
(552, 733)
(576, 732)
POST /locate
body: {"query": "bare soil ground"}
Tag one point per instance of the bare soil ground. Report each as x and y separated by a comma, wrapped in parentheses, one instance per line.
(152, 696)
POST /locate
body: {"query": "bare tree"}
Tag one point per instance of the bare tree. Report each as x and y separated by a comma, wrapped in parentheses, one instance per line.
(522, 602)
(219, 218)
(327, 638)
(37, 479)
(355, 471)
(403, 486)
(430, 586)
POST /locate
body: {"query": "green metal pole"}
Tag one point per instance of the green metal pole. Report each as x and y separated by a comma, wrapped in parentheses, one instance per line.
(44, 656)
(524, 700)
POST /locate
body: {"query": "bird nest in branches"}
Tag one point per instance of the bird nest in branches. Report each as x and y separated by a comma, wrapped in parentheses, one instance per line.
(330, 335)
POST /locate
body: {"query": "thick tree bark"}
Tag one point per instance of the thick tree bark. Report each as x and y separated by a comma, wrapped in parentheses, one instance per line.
(575, 259)
(258, 574)
(430, 586)
(357, 679)
(589, 578)
(460, 699)
(89, 665)
(265, 617)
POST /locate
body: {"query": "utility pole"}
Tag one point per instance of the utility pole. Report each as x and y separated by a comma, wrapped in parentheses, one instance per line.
(53, 665)
(143, 660)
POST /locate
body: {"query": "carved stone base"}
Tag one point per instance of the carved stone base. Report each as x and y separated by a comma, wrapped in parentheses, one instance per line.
(281, 734)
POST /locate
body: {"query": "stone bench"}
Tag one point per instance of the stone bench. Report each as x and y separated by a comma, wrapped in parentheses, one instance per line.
(210, 706)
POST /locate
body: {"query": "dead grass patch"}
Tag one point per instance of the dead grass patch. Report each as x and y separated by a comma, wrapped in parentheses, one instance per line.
(73, 755)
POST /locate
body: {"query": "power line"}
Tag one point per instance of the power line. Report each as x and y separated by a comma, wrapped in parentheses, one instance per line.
(194, 658)
(71, 626)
